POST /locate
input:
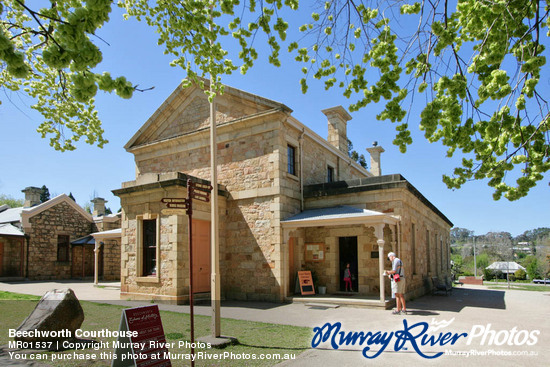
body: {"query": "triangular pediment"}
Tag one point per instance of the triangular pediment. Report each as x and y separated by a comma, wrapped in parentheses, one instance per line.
(187, 110)
(28, 213)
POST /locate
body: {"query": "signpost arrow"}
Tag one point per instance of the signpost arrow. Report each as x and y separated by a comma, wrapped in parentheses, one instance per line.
(173, 211)
(174, 200)
(201, 196)
(178, 205)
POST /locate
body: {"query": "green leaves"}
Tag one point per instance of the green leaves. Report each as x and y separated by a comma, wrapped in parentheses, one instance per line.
(49, 55)
(478, 68)
(195, 34)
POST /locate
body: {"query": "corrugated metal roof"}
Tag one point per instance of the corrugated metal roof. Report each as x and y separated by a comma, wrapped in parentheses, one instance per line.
(337, 212)
(113, 233)
(7, 229)
(11, 215)
(505, 266)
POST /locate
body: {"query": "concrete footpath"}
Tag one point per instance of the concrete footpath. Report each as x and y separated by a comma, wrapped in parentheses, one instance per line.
(504, 327)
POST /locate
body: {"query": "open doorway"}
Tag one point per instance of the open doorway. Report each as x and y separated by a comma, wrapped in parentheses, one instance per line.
(348, 254)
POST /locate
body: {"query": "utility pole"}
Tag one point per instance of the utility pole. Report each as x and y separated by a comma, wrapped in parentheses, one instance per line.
(475, 261)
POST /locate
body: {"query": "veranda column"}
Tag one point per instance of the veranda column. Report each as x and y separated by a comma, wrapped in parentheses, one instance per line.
(381, 255)
(96, 263)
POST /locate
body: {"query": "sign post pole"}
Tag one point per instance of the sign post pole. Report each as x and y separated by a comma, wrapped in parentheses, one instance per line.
(199, 192)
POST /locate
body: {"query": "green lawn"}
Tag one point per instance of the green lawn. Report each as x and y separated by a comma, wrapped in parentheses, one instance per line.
(17, 296)
(260, 340)
(522, 287)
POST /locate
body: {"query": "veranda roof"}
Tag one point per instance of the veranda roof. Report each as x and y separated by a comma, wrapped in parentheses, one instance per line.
(86, 240)
(7, 229)
(338, 215)
(113, 233)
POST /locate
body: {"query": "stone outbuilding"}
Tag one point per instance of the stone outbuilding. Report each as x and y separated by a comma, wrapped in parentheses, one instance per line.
(52, 240)
(289, 200)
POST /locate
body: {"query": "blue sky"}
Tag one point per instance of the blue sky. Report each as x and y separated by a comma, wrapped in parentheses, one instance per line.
(28, 160)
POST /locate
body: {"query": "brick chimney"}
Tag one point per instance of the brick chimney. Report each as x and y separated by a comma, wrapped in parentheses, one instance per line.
(32, 196)
(338, 119)
(99, 206)
(375, 165)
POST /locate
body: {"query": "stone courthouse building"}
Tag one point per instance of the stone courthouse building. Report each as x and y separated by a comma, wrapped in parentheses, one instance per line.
(289, 201)
(52, 240)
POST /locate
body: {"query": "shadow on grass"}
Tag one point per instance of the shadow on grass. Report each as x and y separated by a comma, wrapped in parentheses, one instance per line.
(252, 304)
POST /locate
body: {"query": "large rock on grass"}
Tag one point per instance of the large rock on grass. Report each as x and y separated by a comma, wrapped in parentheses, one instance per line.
(56, 317)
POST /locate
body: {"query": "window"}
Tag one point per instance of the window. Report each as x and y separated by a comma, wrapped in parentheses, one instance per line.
(413, 247)
(63, 242)
(291, 151)
(330, 174)
(149, 246)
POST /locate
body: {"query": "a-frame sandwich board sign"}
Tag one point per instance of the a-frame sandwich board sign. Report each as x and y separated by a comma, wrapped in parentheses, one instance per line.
(142, 341)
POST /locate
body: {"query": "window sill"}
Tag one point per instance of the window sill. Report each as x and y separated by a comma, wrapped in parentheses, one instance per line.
(292, 177)
(149, 279)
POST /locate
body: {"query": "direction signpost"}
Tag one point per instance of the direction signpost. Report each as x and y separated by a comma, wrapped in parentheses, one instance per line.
(199, 192)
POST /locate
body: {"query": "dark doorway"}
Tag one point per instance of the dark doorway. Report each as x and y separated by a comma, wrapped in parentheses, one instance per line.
(348, 254)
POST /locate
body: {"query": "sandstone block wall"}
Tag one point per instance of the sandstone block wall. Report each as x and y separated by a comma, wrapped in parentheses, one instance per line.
(171, 282)
(317, 157)
(430, 255)
(111, 260)
(250, 256)
(60, 219)
(249, 159)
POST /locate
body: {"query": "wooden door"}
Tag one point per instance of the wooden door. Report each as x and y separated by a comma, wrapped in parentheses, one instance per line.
(201, 256)
(76, 270)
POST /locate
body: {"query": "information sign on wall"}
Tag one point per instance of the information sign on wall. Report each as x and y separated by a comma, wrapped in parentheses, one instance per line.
(315, 252)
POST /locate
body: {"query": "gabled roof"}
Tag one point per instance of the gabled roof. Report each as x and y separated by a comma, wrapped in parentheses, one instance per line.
(338, 215)
(171, 107)
(505, 266)
(27, 213)
(7, 229)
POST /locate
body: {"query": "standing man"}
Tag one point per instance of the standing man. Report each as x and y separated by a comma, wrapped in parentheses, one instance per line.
(397, 283)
